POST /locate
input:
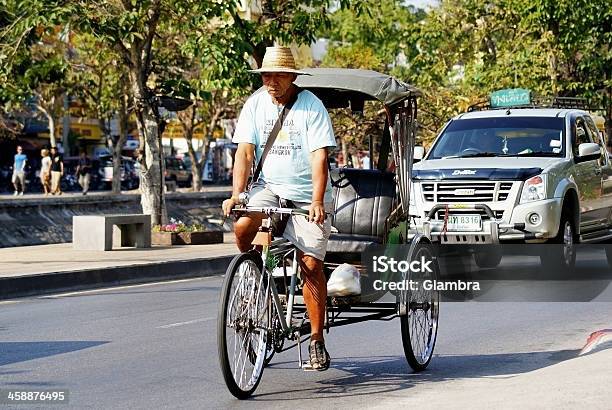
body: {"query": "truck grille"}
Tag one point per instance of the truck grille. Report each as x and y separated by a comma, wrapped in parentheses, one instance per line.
(476, 192)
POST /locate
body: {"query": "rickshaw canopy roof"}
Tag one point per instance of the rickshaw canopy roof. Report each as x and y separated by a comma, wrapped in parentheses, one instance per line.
(344, 87)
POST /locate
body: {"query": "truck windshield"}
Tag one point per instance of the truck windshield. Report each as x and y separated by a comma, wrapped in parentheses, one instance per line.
(501, 137)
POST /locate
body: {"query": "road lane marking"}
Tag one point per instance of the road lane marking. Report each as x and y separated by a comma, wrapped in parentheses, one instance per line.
(189, 322)
(9, 302)
(89, 292)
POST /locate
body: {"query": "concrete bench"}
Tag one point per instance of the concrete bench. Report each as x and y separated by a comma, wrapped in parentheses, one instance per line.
(99, 232)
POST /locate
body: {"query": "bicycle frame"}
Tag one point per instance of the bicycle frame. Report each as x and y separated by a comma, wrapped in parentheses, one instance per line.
(284, 321)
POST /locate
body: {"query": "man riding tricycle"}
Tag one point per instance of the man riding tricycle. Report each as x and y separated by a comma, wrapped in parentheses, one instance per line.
(301, 222)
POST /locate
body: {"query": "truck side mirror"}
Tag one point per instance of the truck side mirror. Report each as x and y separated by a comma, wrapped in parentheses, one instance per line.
(419, 153)
(588, 151)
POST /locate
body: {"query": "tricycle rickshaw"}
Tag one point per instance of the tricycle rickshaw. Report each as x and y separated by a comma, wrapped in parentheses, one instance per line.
(259, 311)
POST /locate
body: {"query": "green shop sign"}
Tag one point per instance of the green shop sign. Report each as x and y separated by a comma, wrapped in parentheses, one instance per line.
(510, 97)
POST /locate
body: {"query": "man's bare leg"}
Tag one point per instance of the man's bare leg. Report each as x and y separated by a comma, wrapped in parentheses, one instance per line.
(245, 230)
(315, 293)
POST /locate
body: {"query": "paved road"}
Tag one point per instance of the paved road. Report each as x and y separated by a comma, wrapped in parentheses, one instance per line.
(153, 346)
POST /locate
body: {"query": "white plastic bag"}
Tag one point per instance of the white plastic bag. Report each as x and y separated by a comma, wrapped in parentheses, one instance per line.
(344, 281)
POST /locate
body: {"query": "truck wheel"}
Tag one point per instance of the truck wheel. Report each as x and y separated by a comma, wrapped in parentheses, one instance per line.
(561, 258)
(487, 260)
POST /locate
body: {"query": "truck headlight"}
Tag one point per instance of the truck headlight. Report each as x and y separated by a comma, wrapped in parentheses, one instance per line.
(534, 189)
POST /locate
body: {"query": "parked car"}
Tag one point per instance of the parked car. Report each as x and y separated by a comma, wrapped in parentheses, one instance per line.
(177, 171)
(129, 174)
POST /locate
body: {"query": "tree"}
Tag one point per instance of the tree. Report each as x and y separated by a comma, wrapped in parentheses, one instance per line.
(205, 114)
(102, 85)
(133, 30)
(32, 60)
(214, 77)
(287, 22)
(577, 38)
(218, 52)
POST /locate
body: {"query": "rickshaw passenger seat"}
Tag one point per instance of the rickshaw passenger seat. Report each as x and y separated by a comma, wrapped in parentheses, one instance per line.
(363, 199)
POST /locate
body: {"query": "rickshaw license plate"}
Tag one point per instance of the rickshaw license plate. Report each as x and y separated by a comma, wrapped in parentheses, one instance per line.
(464, 223)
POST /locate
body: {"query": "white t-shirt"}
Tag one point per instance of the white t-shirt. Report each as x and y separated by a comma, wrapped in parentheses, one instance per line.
(45, 164)
(365, 162)
(287, 169)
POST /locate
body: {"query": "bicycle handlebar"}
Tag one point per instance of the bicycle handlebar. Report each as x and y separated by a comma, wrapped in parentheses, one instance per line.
(269, 210)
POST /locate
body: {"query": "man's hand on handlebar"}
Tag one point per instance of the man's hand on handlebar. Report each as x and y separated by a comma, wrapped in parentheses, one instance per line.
(316, 212)
(229, 204)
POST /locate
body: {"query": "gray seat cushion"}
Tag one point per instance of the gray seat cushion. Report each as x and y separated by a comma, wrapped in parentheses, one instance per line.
(363, 199)
(342, 243)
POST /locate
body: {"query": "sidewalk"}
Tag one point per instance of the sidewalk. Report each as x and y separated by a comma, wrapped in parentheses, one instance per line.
(35, 270)
(576, 382)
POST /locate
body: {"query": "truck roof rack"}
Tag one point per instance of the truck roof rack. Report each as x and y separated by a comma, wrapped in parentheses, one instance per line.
(541, 102)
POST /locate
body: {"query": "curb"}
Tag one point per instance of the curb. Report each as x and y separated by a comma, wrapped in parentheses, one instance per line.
(56, 282)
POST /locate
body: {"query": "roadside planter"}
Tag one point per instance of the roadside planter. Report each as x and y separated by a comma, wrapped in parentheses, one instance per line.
(177, 233)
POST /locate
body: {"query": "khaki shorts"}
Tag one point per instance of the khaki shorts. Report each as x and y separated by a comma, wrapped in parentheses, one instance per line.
(309, 237)
(18, 176)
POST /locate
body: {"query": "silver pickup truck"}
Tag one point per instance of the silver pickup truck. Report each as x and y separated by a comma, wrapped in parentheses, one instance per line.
(516, 174)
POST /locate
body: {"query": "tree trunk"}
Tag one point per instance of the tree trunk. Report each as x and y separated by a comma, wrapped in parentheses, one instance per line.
(116, 183)
(205, 144)
(188, 123)
(608, 109)
(345, 153)
(50, 123)
(151, 167)
(196, 167)
(117, 146)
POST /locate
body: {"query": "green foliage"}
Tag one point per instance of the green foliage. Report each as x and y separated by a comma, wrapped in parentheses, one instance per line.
(457, 52)
(384, 28)
(353, 56)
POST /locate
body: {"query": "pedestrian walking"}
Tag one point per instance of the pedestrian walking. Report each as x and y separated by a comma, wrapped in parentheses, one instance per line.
(57, 170)
(19, 171)
(83, 172)
(45, 171)
(365, 160)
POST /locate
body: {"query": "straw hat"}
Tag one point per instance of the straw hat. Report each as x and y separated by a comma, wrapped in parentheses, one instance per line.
(278, 60)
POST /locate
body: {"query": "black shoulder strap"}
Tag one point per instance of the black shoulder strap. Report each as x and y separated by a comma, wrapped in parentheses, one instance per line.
(272, 137)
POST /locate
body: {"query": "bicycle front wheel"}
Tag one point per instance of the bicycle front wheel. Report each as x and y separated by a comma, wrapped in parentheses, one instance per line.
(243, 324)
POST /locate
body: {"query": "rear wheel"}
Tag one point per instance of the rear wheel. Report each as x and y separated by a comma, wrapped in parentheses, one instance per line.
(243, 324)
(419, 324)
(562, 257)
